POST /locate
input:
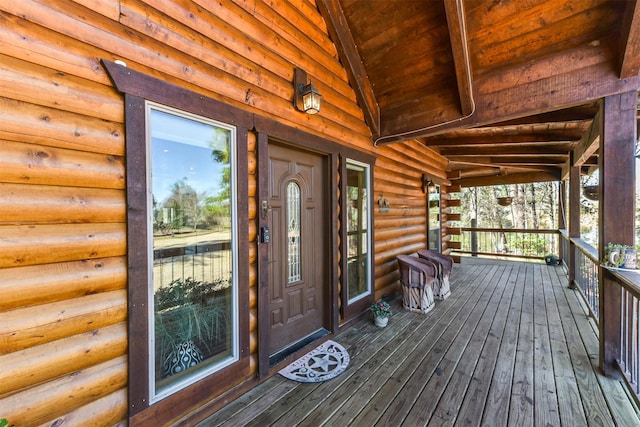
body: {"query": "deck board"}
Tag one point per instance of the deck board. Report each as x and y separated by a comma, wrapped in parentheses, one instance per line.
(522, 391)
(476, 396)
(511, 346)
(569, 404)
(496, 406)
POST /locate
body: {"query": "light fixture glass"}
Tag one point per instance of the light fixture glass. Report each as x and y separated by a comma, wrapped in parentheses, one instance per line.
(311, 99)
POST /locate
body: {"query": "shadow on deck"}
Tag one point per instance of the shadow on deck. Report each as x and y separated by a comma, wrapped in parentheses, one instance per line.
(512, 345)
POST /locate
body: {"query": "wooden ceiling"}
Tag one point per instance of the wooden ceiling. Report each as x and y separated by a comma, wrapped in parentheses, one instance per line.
(505, 89)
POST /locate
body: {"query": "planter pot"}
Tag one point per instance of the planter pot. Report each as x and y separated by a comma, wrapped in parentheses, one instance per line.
(552, 260)
(630, 259)
(381, 321)
(504, 201)
(590, 192)
(186, 355)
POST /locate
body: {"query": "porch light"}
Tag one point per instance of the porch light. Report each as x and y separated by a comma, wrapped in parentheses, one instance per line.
(306, 96)
(427, 183)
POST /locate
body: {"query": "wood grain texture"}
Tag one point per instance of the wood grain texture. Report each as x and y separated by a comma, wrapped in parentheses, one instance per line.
(60, 129)
(63, 236)
(22, 245)
(27, 286)
(53, 204)
(41, 363)
(55, 398)
(31, 326)
(457, 365)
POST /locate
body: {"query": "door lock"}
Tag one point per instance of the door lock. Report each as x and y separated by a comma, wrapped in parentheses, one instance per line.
(265, 209)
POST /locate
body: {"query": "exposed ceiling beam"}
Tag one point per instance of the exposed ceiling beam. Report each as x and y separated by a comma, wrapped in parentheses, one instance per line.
(539, 159)
(516, 178)
(435, 141)
(574, 114)
(460, 50)
(630, 41)
(589, 143)
(508, 149)
(560, 81)
(348, 52)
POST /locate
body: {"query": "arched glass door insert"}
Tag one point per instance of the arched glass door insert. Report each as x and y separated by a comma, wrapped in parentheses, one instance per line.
(293, 233)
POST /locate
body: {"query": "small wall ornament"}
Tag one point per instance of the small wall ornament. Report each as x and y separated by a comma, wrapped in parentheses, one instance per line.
(383, 204)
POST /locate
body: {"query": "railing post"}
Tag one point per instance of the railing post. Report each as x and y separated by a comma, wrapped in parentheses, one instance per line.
(616, 224)
(574, 221)
(474, 238)
(562, 223)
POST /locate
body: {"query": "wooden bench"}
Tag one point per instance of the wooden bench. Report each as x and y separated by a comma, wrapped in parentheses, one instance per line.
(444, 263)
(417, 278)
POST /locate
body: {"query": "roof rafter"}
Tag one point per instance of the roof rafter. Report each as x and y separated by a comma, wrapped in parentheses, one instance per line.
(348, 52)
(630, 41)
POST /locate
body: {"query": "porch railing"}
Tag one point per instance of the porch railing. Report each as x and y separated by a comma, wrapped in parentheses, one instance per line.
(629, 347)
(586, 275)
(621, 348)
(508, 242)
(208, 262)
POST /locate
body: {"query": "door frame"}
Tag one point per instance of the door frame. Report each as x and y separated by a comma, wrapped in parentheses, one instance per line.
(331, 202)
(265, 130)
(322, 289)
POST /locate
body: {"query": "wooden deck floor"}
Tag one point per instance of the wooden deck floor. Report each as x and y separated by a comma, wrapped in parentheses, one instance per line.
(512, 346)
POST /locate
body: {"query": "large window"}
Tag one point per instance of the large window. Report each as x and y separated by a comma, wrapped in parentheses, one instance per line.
(358, 235)
(192, 232)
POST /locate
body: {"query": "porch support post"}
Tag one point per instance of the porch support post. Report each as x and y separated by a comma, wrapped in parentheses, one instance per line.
(617, 210)
(562, 191)
(574, 220)
(562, 223)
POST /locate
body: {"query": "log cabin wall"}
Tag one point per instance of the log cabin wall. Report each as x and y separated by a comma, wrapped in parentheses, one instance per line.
(63, 231)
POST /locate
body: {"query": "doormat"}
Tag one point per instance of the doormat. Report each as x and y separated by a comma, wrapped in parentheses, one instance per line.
(323, 363)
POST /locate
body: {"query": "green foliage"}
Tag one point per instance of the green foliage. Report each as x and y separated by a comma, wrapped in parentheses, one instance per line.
(188, 310)
(534, 206)
(608, 260)
(182, 292)
(4, 422)
(380, 309)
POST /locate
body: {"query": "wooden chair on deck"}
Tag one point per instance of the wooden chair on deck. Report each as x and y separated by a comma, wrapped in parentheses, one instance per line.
(444, 263)
(417, 278)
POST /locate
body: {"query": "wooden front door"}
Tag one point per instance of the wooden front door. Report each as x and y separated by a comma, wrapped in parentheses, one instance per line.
(298, 277)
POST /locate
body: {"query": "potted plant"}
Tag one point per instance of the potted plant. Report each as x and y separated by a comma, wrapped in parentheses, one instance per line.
(504, 201)
(551, 259)
(614, 255)
(191, 323)
(620, 256)
(381, 311)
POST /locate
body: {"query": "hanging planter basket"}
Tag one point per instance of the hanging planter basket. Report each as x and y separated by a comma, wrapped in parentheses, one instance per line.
(590, 192)
(504, 201)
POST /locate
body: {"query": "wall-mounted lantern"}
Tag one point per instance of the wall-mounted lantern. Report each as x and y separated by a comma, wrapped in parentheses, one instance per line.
(306, 96)
(428, 184)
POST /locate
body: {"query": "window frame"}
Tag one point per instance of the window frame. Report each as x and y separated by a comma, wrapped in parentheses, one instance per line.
(352, 308)
(438, 231)
(157, 395)
(139, 88)
(366, 169)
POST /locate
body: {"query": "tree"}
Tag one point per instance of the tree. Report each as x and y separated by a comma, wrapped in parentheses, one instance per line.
(186, 203)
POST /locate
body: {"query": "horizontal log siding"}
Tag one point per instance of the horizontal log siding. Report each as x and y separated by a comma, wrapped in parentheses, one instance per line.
(401, 230)
(63, 272)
